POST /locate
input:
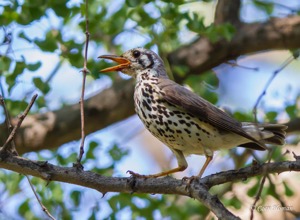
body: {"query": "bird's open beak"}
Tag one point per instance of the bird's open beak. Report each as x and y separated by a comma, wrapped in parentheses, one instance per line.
(123, 63)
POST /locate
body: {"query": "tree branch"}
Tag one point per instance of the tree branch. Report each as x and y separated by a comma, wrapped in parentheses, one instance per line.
(202, 55)
(293, 126)
(197, 189)
(228, 11)
(54, 128)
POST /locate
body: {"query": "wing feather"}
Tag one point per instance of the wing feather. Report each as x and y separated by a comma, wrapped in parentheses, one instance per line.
(202, 109)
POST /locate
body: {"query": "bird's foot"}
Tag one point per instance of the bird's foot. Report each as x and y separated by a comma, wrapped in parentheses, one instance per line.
(136, 175)
(189, 181)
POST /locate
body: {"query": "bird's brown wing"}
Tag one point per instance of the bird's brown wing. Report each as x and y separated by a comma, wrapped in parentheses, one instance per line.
(202, 109)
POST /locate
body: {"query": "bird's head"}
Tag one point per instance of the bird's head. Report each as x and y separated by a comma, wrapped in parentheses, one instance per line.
(136, 61)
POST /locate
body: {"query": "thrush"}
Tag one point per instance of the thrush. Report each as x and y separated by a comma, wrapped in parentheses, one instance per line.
(182, 120)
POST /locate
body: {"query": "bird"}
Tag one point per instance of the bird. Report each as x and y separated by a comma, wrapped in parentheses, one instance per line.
(182, 120)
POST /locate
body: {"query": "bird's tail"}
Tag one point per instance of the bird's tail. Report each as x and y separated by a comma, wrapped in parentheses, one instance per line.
(265, 133)
(278, 131)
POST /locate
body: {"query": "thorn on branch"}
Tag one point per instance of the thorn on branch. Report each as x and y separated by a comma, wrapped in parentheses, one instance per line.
(297, 158)
(78, 166)
(103, 194)
(286, 152)
(255, 165)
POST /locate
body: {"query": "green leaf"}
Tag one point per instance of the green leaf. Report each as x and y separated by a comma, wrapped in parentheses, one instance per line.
(291, 111)
(270, 191)
(11, 78)
(140, 16)
(233, 201)
(117, 153)
(66, 160)
(288, 191)
(49, 44)
(268, 7)
(34, 67)
(24, 207)
(133, 3)
(253, 190)
(57, 193)
(60, 8)
(295, 53)
(76, 197)
(195, 23)
(177, 2)
(14, 107)
(215, 33)
(24, 36)
(271, 116)
(4, 63)
(41, 102)
(90, 152)
(42, 86)
(180, 70)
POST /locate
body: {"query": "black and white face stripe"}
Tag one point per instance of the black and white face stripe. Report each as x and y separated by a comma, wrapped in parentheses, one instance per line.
(146, 60)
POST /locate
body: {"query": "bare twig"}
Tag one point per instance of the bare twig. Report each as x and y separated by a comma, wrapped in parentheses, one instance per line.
(12, 134)
(275, 73)
(38, 199)
(13, 145)
(261, 186)
(281, 201)
(235, 64)
(8, 123)
(85, 72)
(54, 71)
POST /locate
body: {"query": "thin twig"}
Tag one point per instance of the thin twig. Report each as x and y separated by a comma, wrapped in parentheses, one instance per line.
(13, 145)
(12, 134)
(282, 202)
(261, 186)
(235, 64)
(38, 199)
(54, 71)
(8, 123)
(84, 72)
(275, 73)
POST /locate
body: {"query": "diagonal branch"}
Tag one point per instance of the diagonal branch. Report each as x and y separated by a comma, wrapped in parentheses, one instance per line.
(6, 146)
(202, 55)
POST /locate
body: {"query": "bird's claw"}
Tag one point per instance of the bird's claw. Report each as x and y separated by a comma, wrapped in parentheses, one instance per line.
(136, 175)
(189, 181)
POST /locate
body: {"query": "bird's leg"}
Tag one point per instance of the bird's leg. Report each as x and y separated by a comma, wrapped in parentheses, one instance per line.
(192, 178)
(208, 160)
(182, 165)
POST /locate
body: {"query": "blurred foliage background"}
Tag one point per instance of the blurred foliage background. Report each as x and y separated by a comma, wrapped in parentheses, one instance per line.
(41, 51)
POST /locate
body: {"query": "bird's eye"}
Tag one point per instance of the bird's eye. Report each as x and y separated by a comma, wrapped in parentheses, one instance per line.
(136, 53)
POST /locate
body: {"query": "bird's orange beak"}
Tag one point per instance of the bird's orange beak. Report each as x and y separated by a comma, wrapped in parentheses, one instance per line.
(123, 63)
